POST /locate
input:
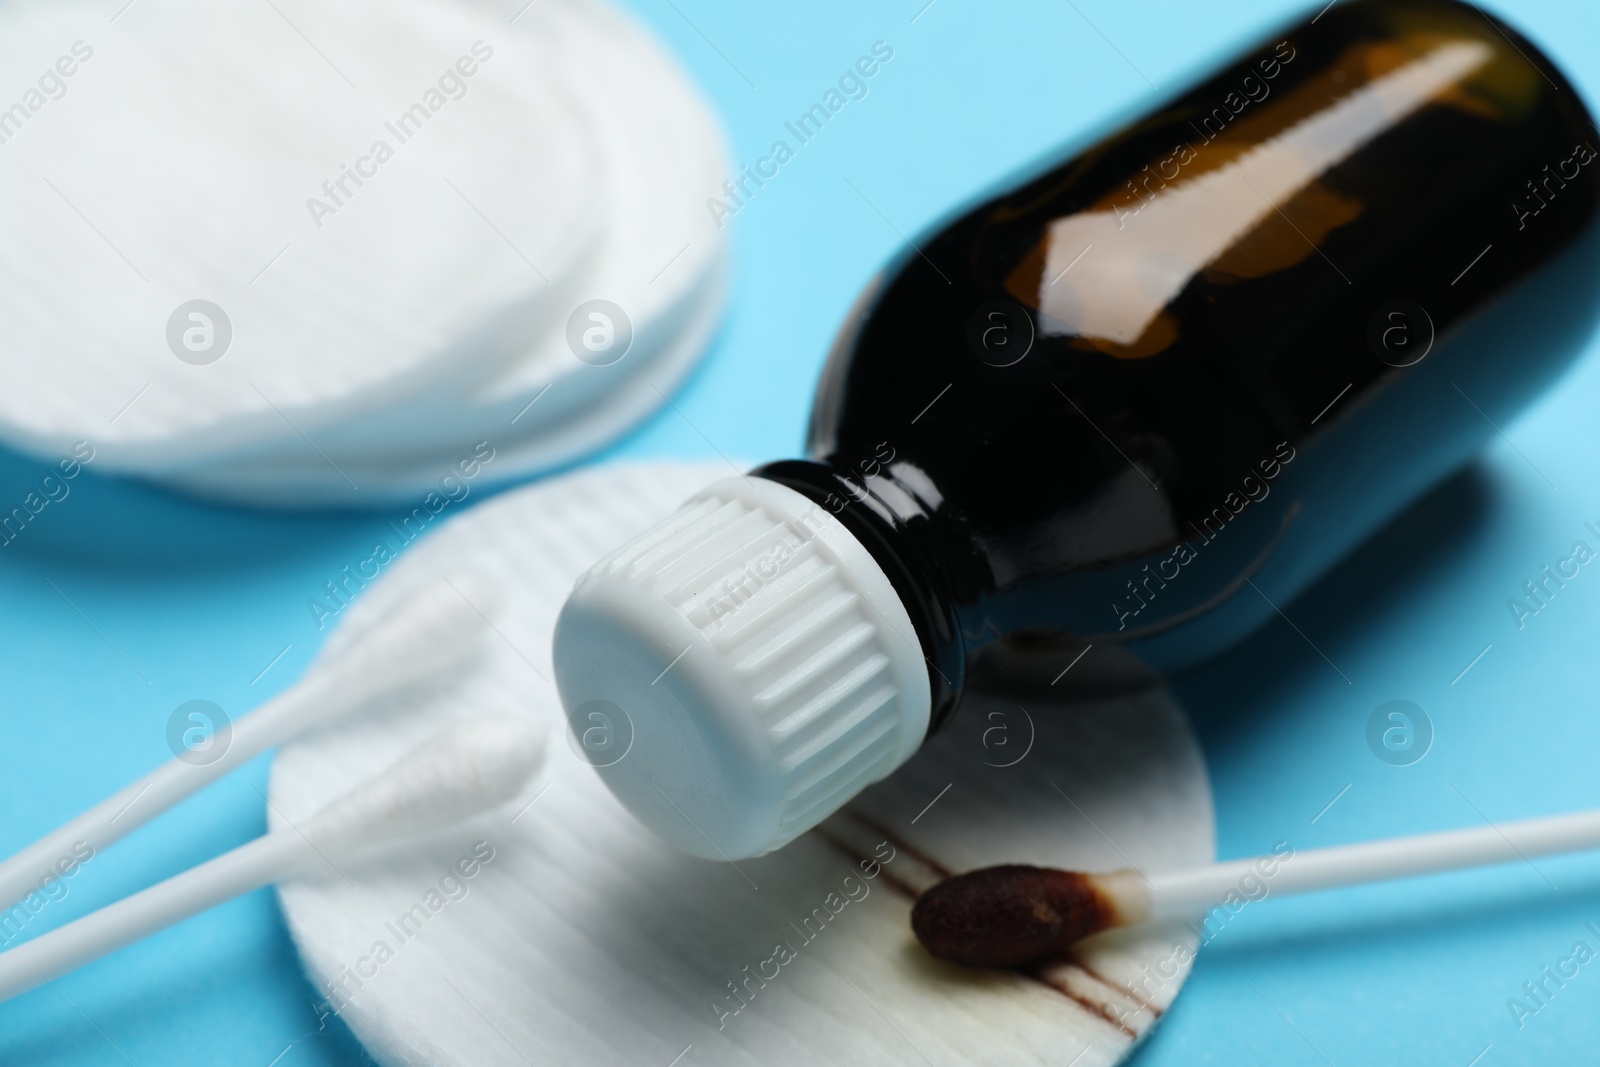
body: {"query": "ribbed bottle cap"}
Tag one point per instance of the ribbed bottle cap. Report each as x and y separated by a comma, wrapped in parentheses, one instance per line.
(741, 670)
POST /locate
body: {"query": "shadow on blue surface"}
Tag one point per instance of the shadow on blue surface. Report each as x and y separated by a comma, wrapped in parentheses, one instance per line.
(1415, 551)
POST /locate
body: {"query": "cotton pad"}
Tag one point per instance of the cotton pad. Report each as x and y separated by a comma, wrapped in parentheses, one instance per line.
(659, 253)
(385, 328)
(188, 160)
(558, 930)
(405, 481)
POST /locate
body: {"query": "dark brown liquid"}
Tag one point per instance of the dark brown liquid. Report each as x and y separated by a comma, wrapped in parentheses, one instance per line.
(1008, 916)
(1135, 401)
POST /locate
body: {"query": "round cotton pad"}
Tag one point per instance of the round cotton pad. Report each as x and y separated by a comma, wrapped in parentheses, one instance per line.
(335, 183)
(661, 262)
(557, 930)
(404, 480)
(659, 252)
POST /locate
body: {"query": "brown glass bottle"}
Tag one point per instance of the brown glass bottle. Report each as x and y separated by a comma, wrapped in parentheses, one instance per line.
(1109, 417)
(1137, 399)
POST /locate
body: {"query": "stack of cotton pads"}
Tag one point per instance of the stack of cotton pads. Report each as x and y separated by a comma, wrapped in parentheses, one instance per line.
(558, 930)
(311, 254)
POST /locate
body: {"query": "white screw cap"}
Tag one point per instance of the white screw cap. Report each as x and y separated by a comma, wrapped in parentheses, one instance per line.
(741, 670)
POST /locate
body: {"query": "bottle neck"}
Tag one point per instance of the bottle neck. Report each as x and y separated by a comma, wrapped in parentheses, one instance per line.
(907, 537)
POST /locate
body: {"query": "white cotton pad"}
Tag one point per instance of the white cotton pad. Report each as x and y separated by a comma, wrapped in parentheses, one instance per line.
(184, 162)
(660, 258)
(186, 159)
(663, 242)
(405, 482)
(662, 155)
(580, 938)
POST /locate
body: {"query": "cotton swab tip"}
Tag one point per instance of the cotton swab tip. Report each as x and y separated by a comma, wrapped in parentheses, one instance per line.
(1012, 915)
(467, 770)
(429, 631)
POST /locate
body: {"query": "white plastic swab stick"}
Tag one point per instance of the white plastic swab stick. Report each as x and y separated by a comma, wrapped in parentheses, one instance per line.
(1011, 915)
(430, 631)
(1374, 861)
(460, 773)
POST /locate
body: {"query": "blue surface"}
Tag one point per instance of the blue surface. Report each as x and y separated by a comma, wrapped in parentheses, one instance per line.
(121, 602)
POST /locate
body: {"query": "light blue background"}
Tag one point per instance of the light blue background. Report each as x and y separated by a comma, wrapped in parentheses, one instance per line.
(172, 600)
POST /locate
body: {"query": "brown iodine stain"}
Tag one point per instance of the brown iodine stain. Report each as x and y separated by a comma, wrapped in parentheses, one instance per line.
(1033, 974)
(897, 884)
(1099, 1011)
(1008, 916)
(900, 843)
(1128, 991)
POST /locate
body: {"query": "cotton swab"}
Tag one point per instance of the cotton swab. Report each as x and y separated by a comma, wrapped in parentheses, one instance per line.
(460, 773)
(1007, 916)
(430, 631)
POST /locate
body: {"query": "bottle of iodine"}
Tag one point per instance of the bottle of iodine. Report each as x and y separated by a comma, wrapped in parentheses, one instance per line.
(1153, 388)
